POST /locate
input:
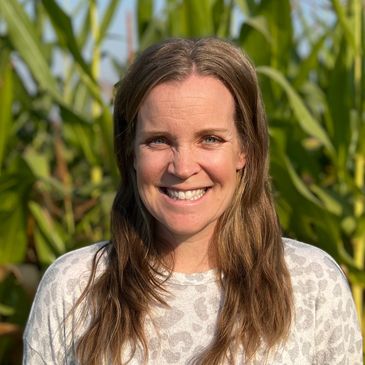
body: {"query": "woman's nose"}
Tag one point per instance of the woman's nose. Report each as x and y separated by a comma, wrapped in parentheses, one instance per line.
(183, 163)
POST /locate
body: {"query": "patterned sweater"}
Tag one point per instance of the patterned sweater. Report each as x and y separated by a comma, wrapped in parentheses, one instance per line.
(325, 329)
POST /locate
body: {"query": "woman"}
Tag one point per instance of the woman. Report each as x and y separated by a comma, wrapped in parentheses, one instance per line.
(196, 271)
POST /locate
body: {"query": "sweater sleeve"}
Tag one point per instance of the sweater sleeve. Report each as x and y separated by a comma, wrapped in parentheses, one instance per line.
(337, 334)
(31, 356)
(49, 336)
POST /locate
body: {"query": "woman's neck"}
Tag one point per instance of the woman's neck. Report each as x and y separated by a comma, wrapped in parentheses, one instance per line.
(188, 254)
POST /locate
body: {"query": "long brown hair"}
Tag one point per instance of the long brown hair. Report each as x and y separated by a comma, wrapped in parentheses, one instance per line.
(257, 307)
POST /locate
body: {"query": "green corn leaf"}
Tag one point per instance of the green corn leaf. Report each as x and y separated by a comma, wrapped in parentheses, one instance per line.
(348, 225)
(270, 26)
(260, 24)
(278, 15)
(63, 26)
(144, 16)
(279, 157)
(6, 99)
(298, 183)
(177, 22)
(6, 310)
(84, 31)
(222, 14)
(199, 17)
(151, 28)
(15, 188)
(360, 227)
(46, 227)
(106, 125)
(254, 31)
(25, 40)
(310, 62)
(38, 162)
(13, 233)
(46, 252)
(13, 225)
(345, 23)
(356, 276)
(303, 116)
(79, 133)
(340, 100)
(329, 202)
(361, 141)
(110, 12)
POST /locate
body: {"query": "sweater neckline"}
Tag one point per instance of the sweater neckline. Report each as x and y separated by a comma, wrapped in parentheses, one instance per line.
(197, 278)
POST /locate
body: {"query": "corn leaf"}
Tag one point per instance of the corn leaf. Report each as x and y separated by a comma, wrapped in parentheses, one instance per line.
(222, 13)
(110, 12)
(46, 227)
(144, 15)
(303, 116)
(345, 23)
(339, 100)
(177, 21)
(329, 202)
(6, 98)
(25, 40)
(12, 231)
(199, 17)
(63, 26)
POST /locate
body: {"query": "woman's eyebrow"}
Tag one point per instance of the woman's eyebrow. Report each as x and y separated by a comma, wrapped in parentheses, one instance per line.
(213, 130)
(149, 133)
(207, 131)
(154, 132)
(146, 134)
(167, 133)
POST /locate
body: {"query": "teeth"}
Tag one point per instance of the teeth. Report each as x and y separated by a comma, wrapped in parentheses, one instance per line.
(185, 195)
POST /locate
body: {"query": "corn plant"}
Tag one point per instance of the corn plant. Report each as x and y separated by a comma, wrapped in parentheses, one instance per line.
(57, 175)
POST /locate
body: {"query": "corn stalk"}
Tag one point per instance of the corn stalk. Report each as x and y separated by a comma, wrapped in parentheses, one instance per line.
(359, 175)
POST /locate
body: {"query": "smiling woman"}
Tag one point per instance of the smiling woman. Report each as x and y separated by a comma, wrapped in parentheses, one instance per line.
(197, 271)
(187, 155)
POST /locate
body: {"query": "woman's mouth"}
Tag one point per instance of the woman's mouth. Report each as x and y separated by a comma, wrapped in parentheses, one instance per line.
(191, 195)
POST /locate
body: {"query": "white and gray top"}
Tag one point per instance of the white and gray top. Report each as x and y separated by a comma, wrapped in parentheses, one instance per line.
(325, 329)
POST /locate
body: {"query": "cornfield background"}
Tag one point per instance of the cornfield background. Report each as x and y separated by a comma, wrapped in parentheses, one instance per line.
(57, 174)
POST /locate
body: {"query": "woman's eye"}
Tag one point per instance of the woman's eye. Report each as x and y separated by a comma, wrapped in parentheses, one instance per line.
(212, 139)
(157, 141)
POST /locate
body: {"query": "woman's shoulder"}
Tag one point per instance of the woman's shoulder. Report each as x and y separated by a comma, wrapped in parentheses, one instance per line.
(72, 269)
(300, 254)
(81, 257)
(324, 305)
(63, 282)
(307, 262)
(314, 272)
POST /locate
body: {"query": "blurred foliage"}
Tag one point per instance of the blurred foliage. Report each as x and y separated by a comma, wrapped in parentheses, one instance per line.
(57, 172)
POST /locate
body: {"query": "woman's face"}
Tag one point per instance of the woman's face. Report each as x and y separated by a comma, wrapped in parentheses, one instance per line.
(187, 154)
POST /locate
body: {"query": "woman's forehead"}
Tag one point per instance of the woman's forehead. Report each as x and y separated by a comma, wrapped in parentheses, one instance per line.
(197, 99)
(192, 92)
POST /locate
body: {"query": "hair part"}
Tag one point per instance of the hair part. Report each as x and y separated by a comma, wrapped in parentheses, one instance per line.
(257, 308)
